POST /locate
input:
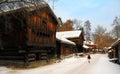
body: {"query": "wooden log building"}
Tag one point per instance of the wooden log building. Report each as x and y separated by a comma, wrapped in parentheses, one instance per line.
(69, 42)
(78, 38)
(115, 48)
(89, 46)
(64, 47)
(27, 34)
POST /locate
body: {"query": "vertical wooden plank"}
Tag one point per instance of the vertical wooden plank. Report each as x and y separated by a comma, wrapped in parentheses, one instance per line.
(30, 34)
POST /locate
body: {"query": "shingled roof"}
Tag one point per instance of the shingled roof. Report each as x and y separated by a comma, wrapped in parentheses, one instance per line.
(31, 9)
(116, 42)
(7, 5)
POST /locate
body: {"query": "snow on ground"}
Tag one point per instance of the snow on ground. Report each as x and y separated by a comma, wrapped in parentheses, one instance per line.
(75, 65)
(104, 66)
(57, 68)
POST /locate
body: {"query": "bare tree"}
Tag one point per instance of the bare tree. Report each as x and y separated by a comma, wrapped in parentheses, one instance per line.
(77, 24)
(102, 38)
(100, 30)
(116, 27)
(98, 36)
(87, 28)
(67, 26)
(53, 2)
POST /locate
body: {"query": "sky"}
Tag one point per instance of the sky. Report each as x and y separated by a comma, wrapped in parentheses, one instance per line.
(98, 12)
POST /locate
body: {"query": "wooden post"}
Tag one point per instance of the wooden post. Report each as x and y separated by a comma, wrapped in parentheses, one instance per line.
(0, 42)
(1, 47)
(26, 57)
(114, 53)
(26, 60)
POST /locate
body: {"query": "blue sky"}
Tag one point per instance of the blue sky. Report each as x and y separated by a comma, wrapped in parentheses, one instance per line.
(98, 12)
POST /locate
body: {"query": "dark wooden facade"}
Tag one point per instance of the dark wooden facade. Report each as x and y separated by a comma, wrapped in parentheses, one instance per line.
(64, 48)
(79, 42)
(67, 45)
(27, 34)
(116, 50)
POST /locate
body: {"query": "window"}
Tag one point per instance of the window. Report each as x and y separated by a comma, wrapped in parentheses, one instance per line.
(44, 21)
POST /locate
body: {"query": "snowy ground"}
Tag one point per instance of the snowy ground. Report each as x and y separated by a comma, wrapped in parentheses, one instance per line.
(75, 65)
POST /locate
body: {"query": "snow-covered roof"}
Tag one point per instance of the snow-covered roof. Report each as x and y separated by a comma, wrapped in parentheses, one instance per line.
(89, 43)
(62, 36)
(63, 40)
(116, 42)
(69, 34)
(30, 8)
(13, 5)
(86, 47)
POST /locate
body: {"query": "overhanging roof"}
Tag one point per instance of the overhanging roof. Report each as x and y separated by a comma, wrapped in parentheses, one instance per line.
(63, 40)
(62, 36)
(115, 43)
(69, 34)
(86, 47)
(89, 42)
(31, 9)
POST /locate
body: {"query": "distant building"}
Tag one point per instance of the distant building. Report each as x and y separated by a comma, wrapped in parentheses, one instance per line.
(89, 46)
(69, 42)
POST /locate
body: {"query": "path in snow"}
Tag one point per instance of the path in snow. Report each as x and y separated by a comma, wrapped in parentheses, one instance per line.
(99, 65)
